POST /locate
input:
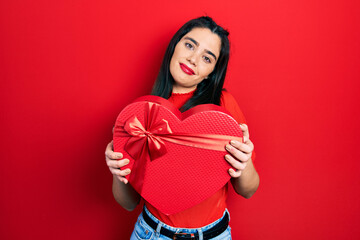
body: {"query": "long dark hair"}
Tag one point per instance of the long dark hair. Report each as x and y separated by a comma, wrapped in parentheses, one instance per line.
(209, 90)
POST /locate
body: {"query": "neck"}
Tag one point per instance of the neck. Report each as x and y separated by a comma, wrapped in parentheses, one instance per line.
(177, 89)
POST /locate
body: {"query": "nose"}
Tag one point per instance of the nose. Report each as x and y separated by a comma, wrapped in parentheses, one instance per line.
(193, 58)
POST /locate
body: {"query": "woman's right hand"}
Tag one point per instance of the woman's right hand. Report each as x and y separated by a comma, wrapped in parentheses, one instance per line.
(114, 161)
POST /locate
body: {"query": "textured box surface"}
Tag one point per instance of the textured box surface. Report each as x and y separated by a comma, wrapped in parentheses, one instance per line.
(192, 167)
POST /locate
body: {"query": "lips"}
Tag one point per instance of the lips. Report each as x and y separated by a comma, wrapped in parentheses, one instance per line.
(186, 69)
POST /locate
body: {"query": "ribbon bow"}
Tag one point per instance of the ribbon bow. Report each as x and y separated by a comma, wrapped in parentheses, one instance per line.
(146, 138)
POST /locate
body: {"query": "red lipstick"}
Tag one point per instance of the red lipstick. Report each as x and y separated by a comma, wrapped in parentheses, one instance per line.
(186, 69)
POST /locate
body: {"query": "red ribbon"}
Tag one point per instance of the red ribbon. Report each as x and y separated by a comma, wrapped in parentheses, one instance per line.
(142, 137)
(148, 141)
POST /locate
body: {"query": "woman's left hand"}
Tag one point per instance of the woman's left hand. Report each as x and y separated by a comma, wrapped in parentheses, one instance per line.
(240, 153)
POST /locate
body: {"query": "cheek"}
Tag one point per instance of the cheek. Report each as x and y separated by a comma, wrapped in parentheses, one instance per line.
(206, 70)
(177, 52)
(174, 59)
(172, 64)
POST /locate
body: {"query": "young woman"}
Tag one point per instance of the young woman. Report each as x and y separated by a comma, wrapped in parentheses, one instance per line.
(192, 73)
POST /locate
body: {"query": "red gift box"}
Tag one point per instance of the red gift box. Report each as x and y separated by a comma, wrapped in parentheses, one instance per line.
(176, 159)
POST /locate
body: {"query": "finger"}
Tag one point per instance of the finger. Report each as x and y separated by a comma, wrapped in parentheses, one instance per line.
(245, 129)
(109, 149)
(110, 146)
(122, 179)
(239, 155)
(234, 174)
(121, 173)
(114, 155)
(110, 154)
(247, 147)
(118, 163)
(235, 163)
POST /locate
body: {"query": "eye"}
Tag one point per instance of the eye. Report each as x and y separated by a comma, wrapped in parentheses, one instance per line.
(207, 59)
(189, 45)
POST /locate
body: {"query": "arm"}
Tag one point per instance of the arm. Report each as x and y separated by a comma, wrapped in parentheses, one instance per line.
(245, 180)
(123, 192)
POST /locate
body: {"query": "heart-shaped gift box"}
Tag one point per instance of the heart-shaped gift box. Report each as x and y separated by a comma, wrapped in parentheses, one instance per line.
(176, 159)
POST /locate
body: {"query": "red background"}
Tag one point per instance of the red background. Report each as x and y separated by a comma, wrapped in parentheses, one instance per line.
(67, 68)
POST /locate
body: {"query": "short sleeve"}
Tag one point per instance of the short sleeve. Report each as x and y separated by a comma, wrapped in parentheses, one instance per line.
(228, 102)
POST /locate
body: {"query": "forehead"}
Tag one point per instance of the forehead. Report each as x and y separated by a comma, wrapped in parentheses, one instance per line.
(207, 40)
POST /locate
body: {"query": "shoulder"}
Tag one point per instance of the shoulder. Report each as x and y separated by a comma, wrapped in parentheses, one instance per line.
(227, 97)
(228, 102)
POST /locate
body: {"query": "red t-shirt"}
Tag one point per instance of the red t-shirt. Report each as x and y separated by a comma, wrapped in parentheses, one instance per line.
(212, 208)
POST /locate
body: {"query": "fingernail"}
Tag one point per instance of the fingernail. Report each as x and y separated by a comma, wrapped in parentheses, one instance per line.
(228, 147)
(127, 161)
(227, 156)
(119, 155)
(234, 142)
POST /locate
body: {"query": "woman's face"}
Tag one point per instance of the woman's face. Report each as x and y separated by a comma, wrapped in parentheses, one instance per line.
(194, 58)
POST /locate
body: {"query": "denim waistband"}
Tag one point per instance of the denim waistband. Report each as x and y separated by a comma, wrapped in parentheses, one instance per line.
(200, 230)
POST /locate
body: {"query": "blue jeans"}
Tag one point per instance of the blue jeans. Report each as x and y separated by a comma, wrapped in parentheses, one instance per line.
(143, 231)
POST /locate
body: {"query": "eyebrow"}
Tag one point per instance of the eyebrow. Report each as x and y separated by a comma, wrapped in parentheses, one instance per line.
(197, 44)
